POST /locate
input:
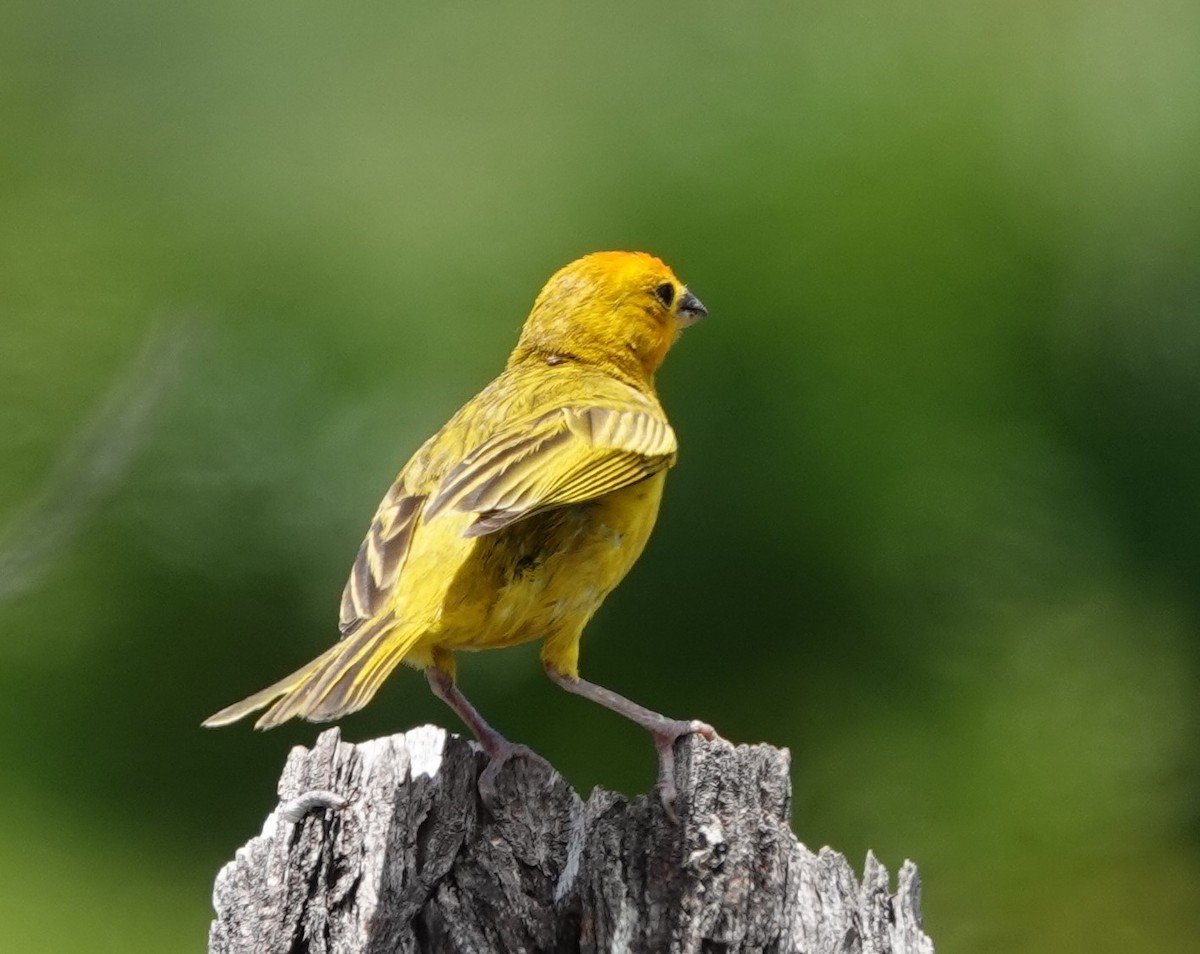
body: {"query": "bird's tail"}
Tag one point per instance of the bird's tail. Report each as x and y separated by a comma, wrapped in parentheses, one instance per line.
(339, 681)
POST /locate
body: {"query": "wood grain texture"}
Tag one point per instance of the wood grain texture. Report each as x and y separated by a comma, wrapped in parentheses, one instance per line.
(414, 863)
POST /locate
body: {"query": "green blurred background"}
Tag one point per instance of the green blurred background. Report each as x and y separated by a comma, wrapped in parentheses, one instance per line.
(935, 525)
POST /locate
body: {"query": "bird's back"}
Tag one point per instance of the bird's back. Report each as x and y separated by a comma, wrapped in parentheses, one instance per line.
(543, 575)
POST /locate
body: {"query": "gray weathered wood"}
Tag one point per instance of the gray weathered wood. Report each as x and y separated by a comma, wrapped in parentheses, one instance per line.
(412, 861)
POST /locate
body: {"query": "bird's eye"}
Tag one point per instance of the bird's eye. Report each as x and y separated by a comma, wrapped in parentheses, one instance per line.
(665, 293)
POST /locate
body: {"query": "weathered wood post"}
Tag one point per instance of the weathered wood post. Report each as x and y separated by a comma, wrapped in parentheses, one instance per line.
(384, 846)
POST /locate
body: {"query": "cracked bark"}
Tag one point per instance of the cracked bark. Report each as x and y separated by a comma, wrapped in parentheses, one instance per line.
(414, 863)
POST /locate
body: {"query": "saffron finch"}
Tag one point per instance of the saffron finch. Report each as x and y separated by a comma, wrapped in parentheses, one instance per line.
(520, 516)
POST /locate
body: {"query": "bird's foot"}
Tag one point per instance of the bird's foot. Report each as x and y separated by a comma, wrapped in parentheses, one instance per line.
(665, 736)
(499, 752)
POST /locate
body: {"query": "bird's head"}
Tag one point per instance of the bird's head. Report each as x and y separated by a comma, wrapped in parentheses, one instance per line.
(620, 311)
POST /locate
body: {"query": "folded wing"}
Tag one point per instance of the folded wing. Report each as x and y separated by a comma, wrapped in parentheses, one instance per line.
(381, 556)
(567, 456)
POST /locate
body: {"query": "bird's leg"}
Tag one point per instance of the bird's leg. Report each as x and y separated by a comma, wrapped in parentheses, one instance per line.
(498, 749)
(663, 730)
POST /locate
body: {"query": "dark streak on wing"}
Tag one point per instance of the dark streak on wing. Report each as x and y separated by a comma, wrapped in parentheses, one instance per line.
(390, 544)
(567, 456)
(380, 558)
(517, 478)
(492, 520)
(486, 463)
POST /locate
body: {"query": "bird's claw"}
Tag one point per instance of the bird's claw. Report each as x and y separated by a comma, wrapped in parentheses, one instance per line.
(703, 729)
(497, 757)
(665, 738)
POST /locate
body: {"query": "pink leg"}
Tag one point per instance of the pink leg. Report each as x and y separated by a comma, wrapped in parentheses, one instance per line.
(664, 731)
(499, 750)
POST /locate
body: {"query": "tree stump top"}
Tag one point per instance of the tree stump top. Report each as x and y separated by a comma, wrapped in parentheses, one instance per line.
(385, 846)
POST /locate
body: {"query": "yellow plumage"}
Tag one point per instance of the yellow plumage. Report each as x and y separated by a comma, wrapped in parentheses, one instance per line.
(522, 513)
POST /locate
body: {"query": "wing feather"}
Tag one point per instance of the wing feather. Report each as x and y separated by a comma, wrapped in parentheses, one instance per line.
(502, 451)
(380, 557)
(568, 456)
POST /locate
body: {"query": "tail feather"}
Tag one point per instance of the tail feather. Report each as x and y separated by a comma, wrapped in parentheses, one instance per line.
(260, 699)
(339, 681)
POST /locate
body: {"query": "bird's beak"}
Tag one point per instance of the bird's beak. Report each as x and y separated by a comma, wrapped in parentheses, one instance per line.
(689, 309)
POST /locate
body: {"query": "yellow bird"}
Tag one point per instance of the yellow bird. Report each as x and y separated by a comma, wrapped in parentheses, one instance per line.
(520, 516)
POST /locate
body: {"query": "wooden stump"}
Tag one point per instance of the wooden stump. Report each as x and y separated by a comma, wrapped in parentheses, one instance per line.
(413, 862)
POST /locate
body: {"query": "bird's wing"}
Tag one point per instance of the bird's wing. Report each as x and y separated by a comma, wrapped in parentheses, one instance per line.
(381, 555)
(564, 457)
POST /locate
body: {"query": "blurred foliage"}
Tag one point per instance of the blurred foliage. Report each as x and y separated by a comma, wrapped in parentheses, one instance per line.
(935, 523)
